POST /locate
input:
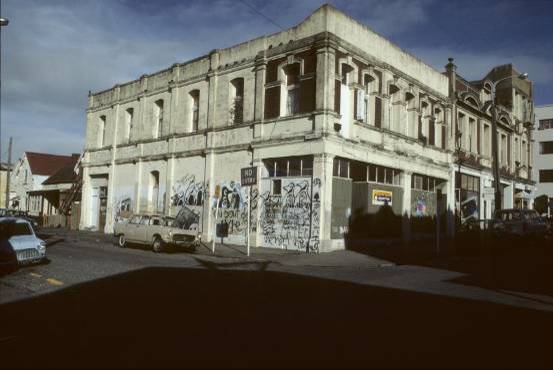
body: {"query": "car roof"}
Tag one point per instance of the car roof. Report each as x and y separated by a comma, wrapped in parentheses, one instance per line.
(10, 219)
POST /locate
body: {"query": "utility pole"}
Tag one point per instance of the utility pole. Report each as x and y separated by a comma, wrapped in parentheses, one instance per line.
(9, 173)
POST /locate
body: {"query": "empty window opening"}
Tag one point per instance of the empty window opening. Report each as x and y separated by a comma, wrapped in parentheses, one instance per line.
(102, 131)
(194, 109)
(158, 119)
(292, 73)
(129, 115)
(237, 100)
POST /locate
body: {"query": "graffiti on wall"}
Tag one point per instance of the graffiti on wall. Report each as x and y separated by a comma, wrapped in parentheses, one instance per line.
(423, 204)
(287, 218)
(188, 192)
(122, 207)
(233, 205)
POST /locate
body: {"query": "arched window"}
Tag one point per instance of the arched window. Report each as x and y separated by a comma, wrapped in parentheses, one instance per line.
(102, 131)
(129, 115)
(236, 102)
(471, 101)
(292, 73)
(194, 107)
(158, 119)
(153, 191)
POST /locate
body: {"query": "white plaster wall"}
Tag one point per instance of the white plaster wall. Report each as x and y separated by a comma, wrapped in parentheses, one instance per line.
(542, 161)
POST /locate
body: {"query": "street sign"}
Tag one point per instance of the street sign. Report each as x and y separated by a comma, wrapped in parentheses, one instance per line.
(248, 176)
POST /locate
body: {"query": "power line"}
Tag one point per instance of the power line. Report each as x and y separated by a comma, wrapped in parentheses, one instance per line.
(261, 14)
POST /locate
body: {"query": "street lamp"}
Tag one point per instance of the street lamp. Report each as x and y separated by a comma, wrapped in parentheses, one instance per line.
(4, 22)
(495, 149)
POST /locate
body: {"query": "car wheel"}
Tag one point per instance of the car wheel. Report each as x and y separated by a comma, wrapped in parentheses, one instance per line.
(157, 245)
(121, 241)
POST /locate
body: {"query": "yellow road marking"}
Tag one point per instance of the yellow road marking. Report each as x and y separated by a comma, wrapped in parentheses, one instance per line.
(34, 274)
(54, 282)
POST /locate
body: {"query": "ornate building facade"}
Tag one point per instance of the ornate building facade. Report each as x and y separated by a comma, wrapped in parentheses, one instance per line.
(337, 121)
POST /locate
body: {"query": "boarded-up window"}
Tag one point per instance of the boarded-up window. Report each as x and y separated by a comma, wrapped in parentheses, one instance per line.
(377, 112)
(307, 95)
(272, 102)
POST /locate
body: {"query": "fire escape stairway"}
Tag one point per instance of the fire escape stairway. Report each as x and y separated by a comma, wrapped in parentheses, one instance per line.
(75, 189)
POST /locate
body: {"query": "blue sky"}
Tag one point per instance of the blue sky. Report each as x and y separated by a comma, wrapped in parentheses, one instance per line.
(54, 52)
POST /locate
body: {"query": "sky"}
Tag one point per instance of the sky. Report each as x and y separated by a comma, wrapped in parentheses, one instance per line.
(54, 51)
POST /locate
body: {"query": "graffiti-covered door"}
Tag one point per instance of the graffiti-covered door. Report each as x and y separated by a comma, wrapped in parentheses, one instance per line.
(103, 197)
(289, 217)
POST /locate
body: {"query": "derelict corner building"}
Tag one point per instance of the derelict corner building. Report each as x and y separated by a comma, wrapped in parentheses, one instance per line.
(337, 120)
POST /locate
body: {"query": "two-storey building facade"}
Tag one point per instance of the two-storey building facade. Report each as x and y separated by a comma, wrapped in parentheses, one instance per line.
(336, 119)
(473, 140)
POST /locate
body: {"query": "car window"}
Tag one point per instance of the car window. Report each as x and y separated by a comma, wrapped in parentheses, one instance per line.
(15, 229)
(516, 215)
(145, 220)
(135, 220)
(155, 221)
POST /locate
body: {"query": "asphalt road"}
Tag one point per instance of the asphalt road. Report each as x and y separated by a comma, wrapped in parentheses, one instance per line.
(94, 305)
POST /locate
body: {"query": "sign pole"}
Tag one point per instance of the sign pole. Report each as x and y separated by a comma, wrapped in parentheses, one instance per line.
(215, 228)
(249, 210)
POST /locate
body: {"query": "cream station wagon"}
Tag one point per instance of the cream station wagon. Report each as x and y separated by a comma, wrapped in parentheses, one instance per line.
(159, 231)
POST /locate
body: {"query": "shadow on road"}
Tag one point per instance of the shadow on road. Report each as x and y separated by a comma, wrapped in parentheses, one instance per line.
(158, 317)
(521, 265)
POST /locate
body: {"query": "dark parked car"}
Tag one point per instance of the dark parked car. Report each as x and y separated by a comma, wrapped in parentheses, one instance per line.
(8, 257)
(520, 223)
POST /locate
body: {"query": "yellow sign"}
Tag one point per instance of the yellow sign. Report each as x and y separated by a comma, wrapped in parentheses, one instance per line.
(381, 197)
(217, 191)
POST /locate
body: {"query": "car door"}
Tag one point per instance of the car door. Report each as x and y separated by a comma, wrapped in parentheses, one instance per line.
(132, 229)
(143, 230)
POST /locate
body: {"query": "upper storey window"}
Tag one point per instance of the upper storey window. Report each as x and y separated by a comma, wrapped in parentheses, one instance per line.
(545, 124)
(292, 73)
(129, 116)
(194, 109)
(237, 100)
(158, 119)
(102, 131)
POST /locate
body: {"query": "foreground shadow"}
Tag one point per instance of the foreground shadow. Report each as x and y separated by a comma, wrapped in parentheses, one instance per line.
(513, 264)
(160, 317)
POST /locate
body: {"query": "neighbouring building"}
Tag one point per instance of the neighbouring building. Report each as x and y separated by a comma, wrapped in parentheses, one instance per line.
(27, 177)
(473, 140)
(3, 182)
(60, 192)
(543, 157)
(337, 120)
